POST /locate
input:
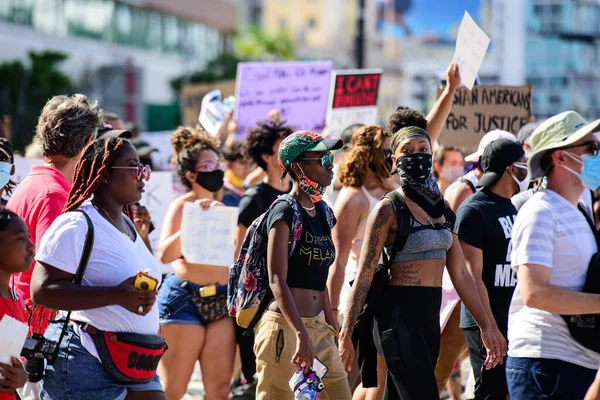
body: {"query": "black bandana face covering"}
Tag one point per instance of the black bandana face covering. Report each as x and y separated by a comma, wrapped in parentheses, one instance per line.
(418, 183)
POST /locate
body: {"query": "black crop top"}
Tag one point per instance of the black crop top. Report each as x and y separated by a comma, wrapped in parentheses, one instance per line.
(315, 252)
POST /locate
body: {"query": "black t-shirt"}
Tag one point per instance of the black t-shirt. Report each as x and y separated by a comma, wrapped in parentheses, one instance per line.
(315, 252)
(485, 221)
(255, 202)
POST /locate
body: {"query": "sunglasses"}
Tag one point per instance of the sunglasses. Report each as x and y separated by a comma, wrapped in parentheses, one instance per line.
(594, 147)
(325, 160)
(142, 171)
(211, 166)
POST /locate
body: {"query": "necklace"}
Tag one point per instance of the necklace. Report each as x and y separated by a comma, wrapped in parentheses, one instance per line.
(308, 208)
(99, 208)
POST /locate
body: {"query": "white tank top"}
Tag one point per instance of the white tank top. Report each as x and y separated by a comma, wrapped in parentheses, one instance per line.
(352, 265)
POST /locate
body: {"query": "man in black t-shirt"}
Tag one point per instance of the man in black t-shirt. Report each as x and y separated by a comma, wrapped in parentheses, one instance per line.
(484, 226)
(262, 146)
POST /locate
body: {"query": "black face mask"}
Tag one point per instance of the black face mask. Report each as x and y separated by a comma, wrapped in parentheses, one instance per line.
(211, 181)
(417, 166)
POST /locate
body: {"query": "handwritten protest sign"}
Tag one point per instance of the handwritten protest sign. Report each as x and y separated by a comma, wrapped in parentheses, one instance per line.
(207, 237)
(299, 89)
(157, 197)
(471, 45)
(485, 108)
(352, 99)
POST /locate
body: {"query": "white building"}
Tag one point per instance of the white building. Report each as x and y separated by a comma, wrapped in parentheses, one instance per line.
(123, 53)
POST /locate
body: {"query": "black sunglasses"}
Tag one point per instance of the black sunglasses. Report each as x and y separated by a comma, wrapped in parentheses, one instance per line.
(594, 147)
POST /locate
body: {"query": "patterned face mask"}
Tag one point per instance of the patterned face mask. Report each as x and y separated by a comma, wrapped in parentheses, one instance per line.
(313, 189)
(418, 183)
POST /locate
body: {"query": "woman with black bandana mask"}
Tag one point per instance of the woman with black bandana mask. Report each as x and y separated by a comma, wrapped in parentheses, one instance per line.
(406, 330)
(364, 175)
(193, 300)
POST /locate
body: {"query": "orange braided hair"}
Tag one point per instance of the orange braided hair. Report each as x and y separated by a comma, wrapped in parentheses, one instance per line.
(91, 169)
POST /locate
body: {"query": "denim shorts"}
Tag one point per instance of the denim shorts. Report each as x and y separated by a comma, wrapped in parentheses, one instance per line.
(176, 305)
(77, 375)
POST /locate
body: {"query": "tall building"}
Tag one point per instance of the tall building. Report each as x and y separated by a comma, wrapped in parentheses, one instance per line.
(123, 53)
(321, 29)
(562, 56)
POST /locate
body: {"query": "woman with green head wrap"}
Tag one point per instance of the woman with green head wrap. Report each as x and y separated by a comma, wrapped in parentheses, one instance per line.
(406, 329)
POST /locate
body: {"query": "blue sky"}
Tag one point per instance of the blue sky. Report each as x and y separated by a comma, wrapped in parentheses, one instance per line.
(438, 16)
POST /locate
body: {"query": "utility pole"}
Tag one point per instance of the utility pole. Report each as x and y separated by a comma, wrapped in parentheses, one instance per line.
(360, 35)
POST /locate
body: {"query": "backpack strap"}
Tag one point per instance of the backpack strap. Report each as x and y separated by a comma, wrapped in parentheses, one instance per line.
(327, 212)
(83, 262)
(450, 217)
(584, 210)
(404, 223)
(468, 182)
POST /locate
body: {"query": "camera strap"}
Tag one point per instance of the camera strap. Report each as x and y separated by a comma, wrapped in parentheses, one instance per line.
(83, 262)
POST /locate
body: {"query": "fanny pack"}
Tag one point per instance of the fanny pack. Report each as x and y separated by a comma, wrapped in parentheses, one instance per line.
(585, 328)
(211, 305)
(128, 357)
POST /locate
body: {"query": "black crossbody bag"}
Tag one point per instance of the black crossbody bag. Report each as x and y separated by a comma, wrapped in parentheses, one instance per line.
(585, 328)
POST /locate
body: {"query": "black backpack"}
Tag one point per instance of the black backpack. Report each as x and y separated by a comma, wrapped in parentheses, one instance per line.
(362, 336)
(585, 328)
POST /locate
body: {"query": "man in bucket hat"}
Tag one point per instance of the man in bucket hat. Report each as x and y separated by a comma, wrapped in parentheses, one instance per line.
(552, 244)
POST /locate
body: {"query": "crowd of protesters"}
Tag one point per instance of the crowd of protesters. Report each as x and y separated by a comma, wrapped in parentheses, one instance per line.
(388, 266)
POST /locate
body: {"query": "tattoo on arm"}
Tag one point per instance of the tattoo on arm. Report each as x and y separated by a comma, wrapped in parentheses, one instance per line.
(376, 233)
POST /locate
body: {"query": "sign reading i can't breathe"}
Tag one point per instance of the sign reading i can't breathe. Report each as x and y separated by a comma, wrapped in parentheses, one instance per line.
(484, 109)
(352, 99)
(298, 89)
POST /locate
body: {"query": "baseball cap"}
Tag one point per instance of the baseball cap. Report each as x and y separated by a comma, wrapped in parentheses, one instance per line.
(558, 131)
(143, 148)
(301, 142)
(487, 139)
(524, 134)
(107, 131)
(497, 156)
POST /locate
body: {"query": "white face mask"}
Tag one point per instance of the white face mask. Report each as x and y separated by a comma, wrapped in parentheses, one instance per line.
(524, 184)
(451, 174)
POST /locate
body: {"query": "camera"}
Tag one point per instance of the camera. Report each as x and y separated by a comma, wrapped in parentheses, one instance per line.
(36, 350)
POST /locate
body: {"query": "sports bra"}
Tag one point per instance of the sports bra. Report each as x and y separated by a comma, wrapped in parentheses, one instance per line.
(425, 242)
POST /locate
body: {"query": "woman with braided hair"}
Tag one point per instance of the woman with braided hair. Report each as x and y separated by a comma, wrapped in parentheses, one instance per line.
(108, 178)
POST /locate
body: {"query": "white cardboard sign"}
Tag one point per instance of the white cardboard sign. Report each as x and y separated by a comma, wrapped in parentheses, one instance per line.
(471, 45)
(207, 237)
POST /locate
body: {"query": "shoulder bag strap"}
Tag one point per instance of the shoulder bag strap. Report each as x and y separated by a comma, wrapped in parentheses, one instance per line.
(403, 222)
(83, 262)
(590, 222)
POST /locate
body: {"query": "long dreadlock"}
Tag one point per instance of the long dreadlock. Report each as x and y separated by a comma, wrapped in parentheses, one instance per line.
(93, 167)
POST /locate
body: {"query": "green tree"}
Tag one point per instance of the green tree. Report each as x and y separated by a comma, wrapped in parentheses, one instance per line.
(24, 90)
(259, 45)
(253, 45)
